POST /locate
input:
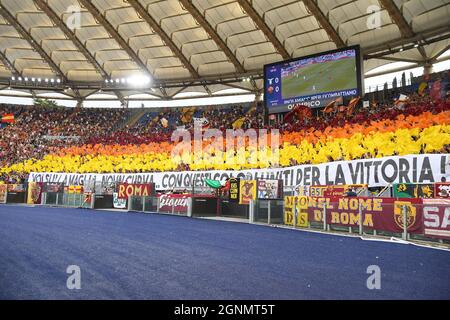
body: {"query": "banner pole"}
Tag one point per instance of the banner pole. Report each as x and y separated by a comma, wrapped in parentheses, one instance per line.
(405, 226)
(157, 204)
(93, 201)
(189, 208)
(324, 218)
(360, 219)
(294, 223)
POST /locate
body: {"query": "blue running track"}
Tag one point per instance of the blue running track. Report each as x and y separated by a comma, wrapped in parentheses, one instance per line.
(148, 256)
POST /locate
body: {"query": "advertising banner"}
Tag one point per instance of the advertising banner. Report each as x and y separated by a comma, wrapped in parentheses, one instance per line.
(247, 191)
(178, 201)
(436, 218)
(125, 190)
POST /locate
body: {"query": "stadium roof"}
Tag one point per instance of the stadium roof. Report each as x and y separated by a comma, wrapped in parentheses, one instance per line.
(201, 45)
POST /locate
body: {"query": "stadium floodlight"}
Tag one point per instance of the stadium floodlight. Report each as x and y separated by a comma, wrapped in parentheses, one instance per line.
(13, 78)
(123, 80)
(33, 79)
(106, 81)
(26, 79)
(52, 80)
(20, 78)
(58, 80)
(416, 45)
(117, 80)
(39, 79)
(139, 80)
(46, 79)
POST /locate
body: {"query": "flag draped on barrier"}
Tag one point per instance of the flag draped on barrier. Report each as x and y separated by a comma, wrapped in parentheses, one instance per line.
(430, 217)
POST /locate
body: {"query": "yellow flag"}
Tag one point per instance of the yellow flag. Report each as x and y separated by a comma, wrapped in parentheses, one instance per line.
(238, 123)
(422, 88)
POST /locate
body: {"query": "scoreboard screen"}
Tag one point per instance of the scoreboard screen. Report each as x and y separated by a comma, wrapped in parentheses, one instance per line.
(313, 80)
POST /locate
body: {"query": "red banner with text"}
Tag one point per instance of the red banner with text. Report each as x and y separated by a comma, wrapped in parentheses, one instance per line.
(385, 214)
(125, 190)
(179, 202)
(436, 218)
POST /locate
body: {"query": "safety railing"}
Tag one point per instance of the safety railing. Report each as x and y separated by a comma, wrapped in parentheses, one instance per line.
(267, 211)
(72, 200)
(164, 205)
(415, 219)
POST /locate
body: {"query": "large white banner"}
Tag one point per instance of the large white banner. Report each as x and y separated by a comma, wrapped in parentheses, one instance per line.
(428, 168)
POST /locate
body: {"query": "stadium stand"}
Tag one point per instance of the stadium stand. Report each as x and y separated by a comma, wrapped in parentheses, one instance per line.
(225, 149)
(83, 140)
(37, 131)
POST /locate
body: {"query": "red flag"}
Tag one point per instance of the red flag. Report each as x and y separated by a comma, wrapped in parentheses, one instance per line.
(329, 107)
(8, 118)
(301, 111)
(351, 106)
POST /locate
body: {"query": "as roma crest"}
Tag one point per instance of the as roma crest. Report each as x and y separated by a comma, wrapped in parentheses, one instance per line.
(411, 214)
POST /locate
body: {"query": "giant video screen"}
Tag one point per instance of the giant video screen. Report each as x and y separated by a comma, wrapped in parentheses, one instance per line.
(313, 80)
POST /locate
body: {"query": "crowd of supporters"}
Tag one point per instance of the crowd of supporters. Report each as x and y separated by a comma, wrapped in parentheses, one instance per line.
(158, 126)
(39, 130)
(415, 105)
(100, 140)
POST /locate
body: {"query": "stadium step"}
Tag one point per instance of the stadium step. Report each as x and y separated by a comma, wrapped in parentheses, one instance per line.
(133, 118)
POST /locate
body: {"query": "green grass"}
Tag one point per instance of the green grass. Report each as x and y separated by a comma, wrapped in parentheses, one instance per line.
(327, 76)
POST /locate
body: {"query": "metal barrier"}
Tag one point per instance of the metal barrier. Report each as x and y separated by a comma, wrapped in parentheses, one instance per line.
(150, 204)
(267, 211)
(408, 219)
(71, 200)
